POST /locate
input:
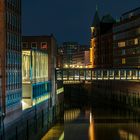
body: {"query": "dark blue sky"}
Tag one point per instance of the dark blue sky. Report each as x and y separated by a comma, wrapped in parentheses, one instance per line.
(68, 20)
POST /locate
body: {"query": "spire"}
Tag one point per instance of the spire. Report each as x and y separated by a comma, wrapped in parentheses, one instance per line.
(97, 7)
(96, 20)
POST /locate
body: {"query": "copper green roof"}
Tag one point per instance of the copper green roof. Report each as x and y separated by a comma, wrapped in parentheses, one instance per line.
(108, 19)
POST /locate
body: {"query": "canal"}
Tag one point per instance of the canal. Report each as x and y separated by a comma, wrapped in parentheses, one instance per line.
(101, 124)
(89, 118)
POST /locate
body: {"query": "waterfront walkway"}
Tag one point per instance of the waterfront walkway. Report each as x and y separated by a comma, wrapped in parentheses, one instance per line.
(55, 133)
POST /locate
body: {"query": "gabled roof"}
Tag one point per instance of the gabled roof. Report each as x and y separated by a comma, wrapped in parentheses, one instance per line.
(108, 19)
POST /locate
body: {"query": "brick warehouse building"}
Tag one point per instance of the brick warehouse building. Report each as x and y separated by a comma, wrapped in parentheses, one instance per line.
(127, 40)
(101, 48)
(125, 54)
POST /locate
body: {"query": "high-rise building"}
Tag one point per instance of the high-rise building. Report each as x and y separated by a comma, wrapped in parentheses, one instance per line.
(68, 49)
(10, 55)
(80, 58)
(101, 50)
(127, 40)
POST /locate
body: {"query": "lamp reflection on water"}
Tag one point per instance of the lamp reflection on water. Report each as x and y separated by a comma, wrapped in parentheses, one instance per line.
(91, 128)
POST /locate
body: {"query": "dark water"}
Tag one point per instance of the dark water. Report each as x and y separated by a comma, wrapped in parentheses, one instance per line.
(101, 123)
(87, 118)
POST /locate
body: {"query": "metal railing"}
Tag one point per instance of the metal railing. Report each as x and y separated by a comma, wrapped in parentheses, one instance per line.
(88, 74)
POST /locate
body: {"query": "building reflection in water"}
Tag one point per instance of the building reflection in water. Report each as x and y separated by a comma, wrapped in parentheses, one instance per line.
(100, 125)
(71, 115)
(124, 135)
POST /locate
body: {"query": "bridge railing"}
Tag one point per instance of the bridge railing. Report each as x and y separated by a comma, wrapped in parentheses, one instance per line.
(86, 74)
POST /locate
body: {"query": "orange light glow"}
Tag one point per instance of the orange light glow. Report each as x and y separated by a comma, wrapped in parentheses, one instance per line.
(92, 52)
(91, 129)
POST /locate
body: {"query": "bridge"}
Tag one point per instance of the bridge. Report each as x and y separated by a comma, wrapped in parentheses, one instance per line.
(92, 74)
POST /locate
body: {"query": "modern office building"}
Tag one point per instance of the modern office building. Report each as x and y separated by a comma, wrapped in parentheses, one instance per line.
(67, 50)
(72, 54)
(59, 60)
(10, 55)
(81, 58)
(127, 40)
(35, 85)
(101, 50)
(48, 45)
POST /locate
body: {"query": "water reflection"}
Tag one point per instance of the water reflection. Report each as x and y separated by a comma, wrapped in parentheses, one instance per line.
(124, 135)
(102, 124)
(91, 128)
(71, 115)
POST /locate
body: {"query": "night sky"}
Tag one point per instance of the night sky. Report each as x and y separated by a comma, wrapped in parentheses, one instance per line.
(68, 20)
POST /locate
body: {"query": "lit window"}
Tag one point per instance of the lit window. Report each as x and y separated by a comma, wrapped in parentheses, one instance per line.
(123, 61)
(44, 45)
(34, 45)
(136, 41)
(121, 44)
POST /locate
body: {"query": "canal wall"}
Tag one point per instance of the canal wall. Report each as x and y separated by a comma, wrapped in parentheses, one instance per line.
(33, 123)
(123, 94)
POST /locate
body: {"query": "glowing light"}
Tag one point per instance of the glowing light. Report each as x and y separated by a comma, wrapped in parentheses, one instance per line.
(92, 29)
(66, 66)
(121, 44)
(62, 136)
(60, 90)
(123, 61)
(41, 99)
(26, 52)
(91, 128)
(25, 105)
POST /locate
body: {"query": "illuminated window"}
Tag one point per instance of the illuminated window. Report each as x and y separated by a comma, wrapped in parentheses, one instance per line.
(123, 61)
(136, 41)
(34, 45)
(121, 44)
(44, 45)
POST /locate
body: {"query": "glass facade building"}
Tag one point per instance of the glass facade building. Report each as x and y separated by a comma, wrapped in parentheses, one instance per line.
(48, 44)
(10, 17)
(13, 54)
(127, 40)
(35, 85)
